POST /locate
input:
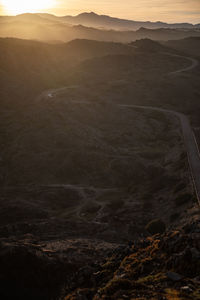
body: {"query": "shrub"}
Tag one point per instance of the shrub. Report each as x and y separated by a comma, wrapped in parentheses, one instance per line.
(155, 226)
(174, 217)
(182, 199)
(115, 285)
(147, 205)
(115, 204)
(179, 187)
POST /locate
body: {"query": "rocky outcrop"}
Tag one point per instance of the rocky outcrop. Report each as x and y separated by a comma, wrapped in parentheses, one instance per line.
(160, 267)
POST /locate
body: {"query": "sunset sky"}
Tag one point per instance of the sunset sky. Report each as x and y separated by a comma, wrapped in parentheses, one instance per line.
(165, 10)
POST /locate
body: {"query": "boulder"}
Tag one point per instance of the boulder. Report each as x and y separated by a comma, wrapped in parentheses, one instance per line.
(174, 276)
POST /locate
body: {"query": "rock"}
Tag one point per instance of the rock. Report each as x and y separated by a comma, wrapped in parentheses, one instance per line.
(197, 279)
(121, 275)
(174, 276)
(192, 228)
(195, 253)
(186, 289)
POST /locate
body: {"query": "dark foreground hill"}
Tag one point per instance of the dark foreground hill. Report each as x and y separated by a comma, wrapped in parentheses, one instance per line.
(159, 267)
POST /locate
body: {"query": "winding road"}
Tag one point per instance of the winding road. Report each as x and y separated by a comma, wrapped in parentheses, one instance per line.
(193, 63)
(189, 141)
(188, 134)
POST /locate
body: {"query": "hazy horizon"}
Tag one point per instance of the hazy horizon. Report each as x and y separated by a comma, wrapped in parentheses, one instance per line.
(167, 10)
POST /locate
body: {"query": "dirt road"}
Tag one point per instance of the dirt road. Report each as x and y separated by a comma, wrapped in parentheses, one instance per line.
(189, 141)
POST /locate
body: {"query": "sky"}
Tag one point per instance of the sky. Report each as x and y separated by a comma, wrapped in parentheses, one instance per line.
(153, 10)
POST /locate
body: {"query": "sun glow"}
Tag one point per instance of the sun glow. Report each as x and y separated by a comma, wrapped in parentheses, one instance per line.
(15, 7)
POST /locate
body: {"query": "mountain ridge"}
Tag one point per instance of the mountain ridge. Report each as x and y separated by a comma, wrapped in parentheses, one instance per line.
(46, 27)
(105, 21)
(94, 16)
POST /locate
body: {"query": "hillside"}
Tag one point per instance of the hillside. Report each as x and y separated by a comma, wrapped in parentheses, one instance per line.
(86, 182)
(148, 45)
(29, 65)
(189, 45)
(143, 78)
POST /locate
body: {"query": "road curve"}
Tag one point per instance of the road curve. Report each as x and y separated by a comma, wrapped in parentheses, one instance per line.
(194, 64)
(189, 141)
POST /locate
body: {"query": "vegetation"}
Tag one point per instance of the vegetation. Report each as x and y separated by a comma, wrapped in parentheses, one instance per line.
(183, 198)
(143, 272)
(174, 217)
(156, 226)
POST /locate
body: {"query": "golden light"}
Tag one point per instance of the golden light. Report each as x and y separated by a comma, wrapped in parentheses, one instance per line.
(23, 6)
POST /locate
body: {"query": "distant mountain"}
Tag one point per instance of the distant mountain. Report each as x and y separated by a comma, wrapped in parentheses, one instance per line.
(164, 34)
(50, 28)
(99, 21)
(103, 21)
(28, 17)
